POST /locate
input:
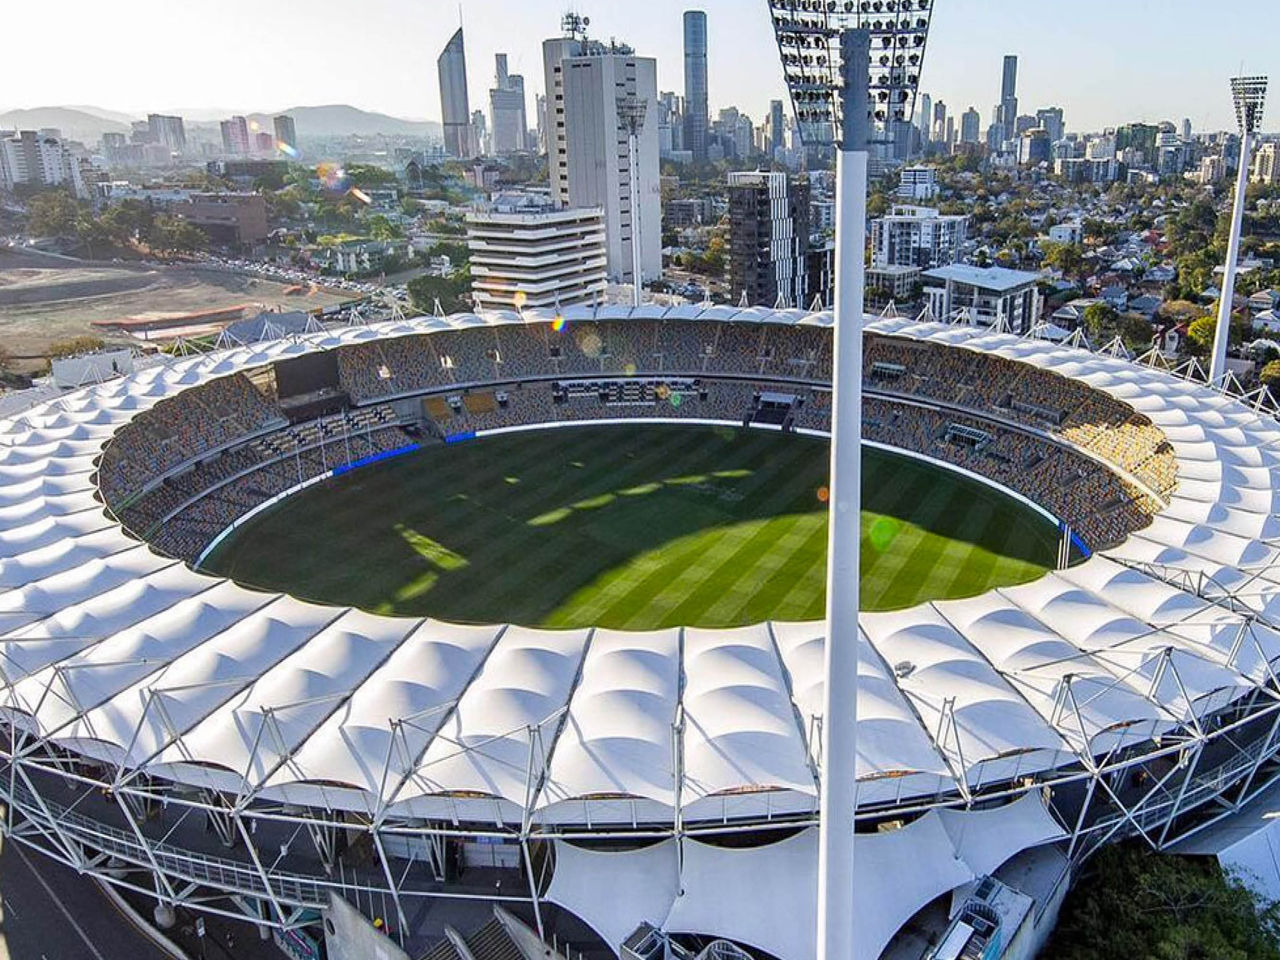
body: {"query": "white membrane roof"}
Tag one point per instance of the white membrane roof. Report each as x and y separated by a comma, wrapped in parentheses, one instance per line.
(126, 656)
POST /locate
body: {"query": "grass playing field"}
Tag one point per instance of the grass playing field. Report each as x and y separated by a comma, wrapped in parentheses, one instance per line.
(633, 527)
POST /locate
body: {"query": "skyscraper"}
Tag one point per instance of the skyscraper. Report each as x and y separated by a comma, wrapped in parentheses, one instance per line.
(777, 127)
(1050, 118)
(455, 107)
(970, 125)
(285, 131)
(926, 119)
(588, 85)
(167, 130)
(940, 122)
(695, 84)
(235, 136)
(1007, 112)
(507, 119)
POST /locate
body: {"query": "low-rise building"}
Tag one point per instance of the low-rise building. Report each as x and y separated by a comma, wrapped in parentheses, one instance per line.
(896, 283)
(918, 183)
(229, 219)
(1071, 232)
(991, 296)
(535, 256)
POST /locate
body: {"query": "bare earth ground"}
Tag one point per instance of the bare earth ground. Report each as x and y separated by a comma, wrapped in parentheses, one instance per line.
(44, 300)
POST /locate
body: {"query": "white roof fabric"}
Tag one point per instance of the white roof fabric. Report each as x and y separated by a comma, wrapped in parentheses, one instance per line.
(766, 896)
(130, 657)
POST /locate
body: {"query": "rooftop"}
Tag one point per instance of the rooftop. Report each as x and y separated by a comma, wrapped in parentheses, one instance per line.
(989, 278)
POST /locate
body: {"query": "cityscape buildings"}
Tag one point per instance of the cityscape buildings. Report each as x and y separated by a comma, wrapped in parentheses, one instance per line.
(509, 128)
(695, 84)
(455, 105)
(34, 158)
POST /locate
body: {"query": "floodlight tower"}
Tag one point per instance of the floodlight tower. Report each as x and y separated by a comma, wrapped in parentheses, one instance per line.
(852, 69)
(631, 114)
(1250, 95)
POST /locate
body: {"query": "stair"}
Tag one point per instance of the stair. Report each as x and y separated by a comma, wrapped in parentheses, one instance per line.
(444, 950)
(492, 942)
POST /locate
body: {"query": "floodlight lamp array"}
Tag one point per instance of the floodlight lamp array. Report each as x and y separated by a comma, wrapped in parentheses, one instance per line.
(808, 34)
(1250, 96)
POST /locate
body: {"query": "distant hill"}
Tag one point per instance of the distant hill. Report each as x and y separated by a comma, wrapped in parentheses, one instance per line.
(341, 120)
(89, 123)
(74, 124)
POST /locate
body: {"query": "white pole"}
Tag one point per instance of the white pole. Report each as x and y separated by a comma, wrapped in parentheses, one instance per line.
(1218, 367)
(632, 151)
(835, 940)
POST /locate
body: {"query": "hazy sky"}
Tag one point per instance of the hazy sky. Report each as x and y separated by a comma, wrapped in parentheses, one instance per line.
(1105, 61)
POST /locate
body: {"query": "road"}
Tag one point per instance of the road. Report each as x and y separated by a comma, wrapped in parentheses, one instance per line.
(49, 912)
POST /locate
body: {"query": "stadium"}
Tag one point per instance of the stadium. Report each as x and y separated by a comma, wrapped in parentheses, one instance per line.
(628, 776)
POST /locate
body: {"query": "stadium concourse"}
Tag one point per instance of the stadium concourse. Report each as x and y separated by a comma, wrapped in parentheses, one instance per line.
(234, 751)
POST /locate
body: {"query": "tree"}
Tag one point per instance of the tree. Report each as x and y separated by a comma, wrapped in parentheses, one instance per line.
(1132, 904)
(1200, 335)
(453, 292)
(1066, 257)
(53, 213)
(76, 346)
(1270, 376)
(380, 228)
(1100, 321)
(174, 235)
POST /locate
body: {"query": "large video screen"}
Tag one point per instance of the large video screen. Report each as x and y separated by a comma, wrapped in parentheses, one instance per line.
(308, 374)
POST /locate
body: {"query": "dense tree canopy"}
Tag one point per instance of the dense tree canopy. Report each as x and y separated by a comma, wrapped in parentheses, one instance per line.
(1131, 904)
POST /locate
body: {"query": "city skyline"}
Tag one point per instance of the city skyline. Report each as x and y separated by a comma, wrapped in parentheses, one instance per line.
(1087, 62)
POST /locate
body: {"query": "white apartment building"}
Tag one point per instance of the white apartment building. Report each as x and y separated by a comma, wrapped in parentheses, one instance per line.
(989, 296)
(918, 183)
(588, 145)
(39, 160)
(1266, 164)
(917, 237)
(537, 257)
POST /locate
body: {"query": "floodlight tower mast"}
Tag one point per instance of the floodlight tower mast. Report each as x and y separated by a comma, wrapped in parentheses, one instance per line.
(631, 114)
(853, 69)
(1250, 95)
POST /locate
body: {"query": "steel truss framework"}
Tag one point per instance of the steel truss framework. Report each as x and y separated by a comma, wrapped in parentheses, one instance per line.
(238, 854)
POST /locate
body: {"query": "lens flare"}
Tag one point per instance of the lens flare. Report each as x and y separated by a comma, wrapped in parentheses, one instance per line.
(332, 176)
(559, 323)
(287, 150)
(521, 298)
(824, 495)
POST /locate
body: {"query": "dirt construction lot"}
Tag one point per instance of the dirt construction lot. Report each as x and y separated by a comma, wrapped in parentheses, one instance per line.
(44, 300)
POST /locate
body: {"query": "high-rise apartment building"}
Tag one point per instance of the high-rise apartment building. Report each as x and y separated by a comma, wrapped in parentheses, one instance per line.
(970, 126)
(537, 256)
(508, 123)
(168, 131)
(1053, 122)
(286, 131)
(235, 137)
(1266, 164)
(37, 159)
(695, 84)
(455, 106)
(768, 238)
(590, 86)
(917, 237)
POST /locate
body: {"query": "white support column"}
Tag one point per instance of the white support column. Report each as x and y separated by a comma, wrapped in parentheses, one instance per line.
(633, 150)
(1218, 367)
(835, 937)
